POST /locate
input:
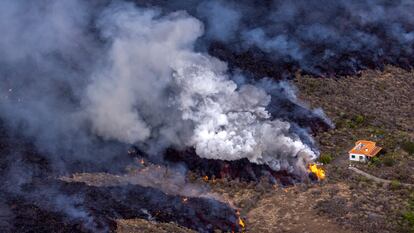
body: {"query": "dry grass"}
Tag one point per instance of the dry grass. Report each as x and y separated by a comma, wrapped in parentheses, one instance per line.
(384, 98)
(144, 226)
(376, 106)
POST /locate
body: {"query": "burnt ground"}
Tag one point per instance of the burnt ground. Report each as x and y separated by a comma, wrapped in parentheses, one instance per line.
(374, 105)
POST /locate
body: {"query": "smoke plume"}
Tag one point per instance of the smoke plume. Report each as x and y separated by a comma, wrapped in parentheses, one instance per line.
(154, 85)
(121, 73)
(81, 81)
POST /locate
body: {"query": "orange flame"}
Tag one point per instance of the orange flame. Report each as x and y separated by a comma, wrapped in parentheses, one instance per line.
(205, 178)
(241, 223)
(319, 172)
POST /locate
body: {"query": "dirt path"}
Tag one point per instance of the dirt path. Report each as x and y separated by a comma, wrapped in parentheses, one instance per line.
(376, 179)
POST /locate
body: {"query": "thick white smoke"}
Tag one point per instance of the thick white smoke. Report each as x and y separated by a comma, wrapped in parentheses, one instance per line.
(232, 122)
(154, 84)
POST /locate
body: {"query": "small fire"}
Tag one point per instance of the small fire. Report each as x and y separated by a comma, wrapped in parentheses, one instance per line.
(142, 161)
(241, 222)
(205, 178)
(185, 199)
(209, 179)
(319, 172)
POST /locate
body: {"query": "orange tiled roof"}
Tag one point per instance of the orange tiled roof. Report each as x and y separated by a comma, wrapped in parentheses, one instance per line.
(366, 148)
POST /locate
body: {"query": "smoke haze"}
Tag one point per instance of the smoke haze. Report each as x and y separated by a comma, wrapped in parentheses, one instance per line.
(74, 73)
(138, 80)
(320, 37)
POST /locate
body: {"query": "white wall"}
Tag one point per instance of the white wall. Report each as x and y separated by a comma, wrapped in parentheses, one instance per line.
(357, 157)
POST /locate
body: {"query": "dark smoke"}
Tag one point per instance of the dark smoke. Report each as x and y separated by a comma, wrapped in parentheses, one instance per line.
(319, 37)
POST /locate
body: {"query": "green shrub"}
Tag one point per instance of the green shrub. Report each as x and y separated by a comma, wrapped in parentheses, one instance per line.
(408, 215)
(350, 124)
(325, 158)
(409, 218)
(395, 184)
(375, 161)
(359, 119)
(409, 147)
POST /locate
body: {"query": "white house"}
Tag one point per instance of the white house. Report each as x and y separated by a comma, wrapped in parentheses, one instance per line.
(363, 151)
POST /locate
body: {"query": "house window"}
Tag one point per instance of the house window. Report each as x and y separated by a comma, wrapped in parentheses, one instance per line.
(361, 157)
(353, 156)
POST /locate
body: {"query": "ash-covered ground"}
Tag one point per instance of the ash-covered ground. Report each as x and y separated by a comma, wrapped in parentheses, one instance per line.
(203, 116)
